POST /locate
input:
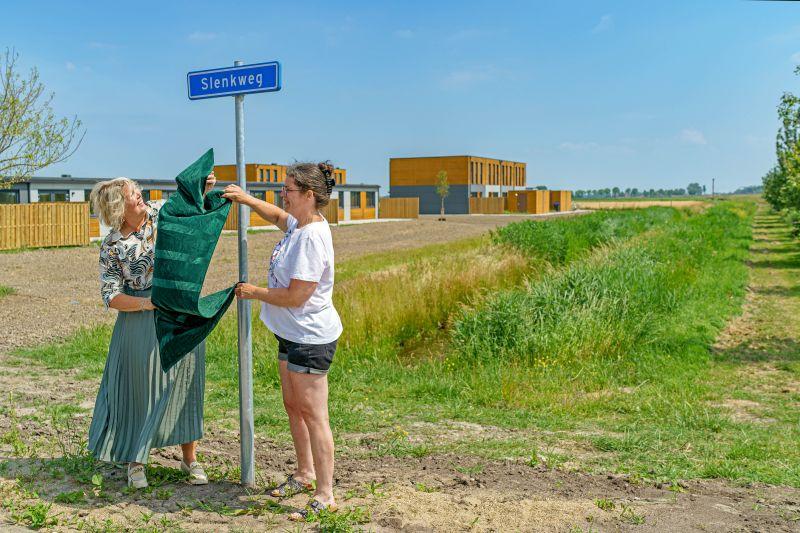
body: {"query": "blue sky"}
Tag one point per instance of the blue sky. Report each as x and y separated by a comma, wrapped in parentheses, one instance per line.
(588, 94)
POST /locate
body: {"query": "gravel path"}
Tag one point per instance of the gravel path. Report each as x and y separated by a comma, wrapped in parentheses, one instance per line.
(57, 288)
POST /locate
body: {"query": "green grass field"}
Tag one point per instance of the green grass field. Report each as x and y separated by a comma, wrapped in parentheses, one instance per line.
(583, 342)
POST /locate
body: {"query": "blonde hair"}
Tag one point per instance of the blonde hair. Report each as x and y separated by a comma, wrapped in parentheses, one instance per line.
(108, 200)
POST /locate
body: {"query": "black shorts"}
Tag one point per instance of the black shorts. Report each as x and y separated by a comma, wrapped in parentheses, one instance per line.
(306, 358)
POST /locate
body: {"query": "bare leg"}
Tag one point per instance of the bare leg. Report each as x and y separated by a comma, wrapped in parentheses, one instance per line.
(311, 394)
(189, 449)
(302, 445)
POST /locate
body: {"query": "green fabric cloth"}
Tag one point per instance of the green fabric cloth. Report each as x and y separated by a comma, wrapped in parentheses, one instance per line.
(189, 225)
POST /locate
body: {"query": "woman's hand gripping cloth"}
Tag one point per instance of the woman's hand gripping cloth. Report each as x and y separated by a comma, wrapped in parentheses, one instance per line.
(189, 225)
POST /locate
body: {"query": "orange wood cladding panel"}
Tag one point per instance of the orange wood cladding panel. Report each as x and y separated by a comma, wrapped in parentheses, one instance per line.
(534, 202)
(94, 227)
(423, 170)
(563, 198)
(266, 173)
(399, 208)
(461, 170)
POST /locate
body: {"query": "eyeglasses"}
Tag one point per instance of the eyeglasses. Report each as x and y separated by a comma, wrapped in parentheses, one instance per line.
(285, 190)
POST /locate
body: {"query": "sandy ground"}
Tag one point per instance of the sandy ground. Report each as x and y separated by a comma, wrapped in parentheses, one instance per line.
(433, 493)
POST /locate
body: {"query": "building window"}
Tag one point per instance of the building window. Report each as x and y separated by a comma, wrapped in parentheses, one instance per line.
(278, 200)
(261, 195)
(87, 195)
(9, 197)
(370, 199)
(355, 199)
(53, 196)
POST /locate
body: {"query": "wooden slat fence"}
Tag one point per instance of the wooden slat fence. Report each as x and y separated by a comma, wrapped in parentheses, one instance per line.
(44, 224)
(487, 206)
(399, 208)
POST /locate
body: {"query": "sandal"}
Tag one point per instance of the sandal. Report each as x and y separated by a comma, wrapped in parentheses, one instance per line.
(314, 507)
(290, 487)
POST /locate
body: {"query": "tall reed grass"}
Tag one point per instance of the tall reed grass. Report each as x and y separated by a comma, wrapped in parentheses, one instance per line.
(613, 317)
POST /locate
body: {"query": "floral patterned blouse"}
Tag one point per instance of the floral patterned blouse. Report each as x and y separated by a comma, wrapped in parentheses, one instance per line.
(128, 261)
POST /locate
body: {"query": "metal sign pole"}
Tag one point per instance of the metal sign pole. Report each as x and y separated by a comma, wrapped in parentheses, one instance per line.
(237, 81)
(243, 313)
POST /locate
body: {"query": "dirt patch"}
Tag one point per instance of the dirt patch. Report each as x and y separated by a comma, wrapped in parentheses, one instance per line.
(745, 411)
(419, 494)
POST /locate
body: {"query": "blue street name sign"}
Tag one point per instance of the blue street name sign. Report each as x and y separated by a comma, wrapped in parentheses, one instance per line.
(230, 81)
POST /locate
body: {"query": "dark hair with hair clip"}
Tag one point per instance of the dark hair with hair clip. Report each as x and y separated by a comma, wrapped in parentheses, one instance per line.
(315, 177)
(327, 170)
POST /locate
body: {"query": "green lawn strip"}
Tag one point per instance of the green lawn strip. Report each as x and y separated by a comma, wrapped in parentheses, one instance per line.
(620, 345)
(376, 384)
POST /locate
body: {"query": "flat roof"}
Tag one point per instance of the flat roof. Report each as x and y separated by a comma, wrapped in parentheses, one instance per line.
(452, 156)
(66, 181)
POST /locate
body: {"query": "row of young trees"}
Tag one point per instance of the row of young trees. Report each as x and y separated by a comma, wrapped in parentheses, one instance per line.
(782, 182)
(616, 192)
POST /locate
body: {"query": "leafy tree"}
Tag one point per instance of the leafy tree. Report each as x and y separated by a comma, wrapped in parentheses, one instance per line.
(31, 137)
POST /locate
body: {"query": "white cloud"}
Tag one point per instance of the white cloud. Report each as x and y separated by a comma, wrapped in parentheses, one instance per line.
(200, 36)
(70, 65)
(404, 34)
(606, 23)
(692, 136)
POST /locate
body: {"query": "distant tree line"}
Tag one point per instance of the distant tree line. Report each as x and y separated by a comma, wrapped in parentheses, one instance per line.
(693, 189)
(782, 182)
(750, 189)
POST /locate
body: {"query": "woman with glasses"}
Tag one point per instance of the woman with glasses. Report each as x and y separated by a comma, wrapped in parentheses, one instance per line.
(296, 306)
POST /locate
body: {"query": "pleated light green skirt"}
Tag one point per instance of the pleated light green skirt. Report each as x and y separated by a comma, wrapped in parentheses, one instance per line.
(140, 407)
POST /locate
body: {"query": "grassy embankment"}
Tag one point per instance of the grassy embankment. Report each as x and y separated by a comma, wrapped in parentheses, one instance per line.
(590, 334)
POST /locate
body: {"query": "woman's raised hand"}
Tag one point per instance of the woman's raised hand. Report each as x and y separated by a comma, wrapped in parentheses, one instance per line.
(234, 193)
(211, 180)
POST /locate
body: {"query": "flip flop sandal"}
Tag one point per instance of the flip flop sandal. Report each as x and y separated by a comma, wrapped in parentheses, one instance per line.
(290, 487)
(314, 507)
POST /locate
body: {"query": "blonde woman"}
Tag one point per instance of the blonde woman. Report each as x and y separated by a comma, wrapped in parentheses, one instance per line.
(139, 406)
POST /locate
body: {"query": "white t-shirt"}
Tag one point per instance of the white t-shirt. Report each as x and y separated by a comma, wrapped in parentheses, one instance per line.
(306, 254)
